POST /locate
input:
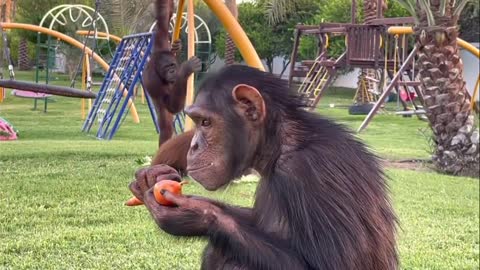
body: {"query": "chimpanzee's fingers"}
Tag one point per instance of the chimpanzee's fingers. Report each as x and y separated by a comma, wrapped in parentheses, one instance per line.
(141, 173)
(155, 208)
(176, 199)
(173, 176)
(135, 189)
(162, 169)
(159, 172)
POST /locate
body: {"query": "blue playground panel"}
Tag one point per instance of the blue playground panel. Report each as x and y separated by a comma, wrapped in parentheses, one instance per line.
(125, 73)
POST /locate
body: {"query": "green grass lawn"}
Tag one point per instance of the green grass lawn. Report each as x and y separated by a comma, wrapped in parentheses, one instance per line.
(62, 194)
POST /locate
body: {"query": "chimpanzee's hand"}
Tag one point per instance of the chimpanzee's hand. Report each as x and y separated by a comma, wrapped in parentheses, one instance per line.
(191, 217)
(194, 64)
(176, 46)
(146, 178)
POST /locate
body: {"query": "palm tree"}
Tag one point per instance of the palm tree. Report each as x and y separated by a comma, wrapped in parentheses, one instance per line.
(127, 17)
(23, 57)
(445, 95)
(278, 10)
(229, 44)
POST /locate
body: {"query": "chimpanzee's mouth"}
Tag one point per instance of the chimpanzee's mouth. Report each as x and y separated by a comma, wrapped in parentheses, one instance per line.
(189, 170)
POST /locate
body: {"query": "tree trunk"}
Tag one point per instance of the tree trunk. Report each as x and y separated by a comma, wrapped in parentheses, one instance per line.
(445, 95)
(230, 47)
(363, 94)
(23, 58)
(284, 68)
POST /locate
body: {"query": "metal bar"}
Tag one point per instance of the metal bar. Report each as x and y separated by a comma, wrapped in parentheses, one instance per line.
(147, 44)
(126, 76)
(387, 91)
(151, 106)
(47, 89)
(92, 115)
(417, 112)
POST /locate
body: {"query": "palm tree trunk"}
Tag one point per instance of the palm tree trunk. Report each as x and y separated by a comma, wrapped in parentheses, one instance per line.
(445, 95)
(23, 58)
(363, 94)
(230, 47)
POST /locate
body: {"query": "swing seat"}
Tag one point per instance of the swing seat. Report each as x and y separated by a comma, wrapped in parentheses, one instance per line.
(407, 97)
(47, 89)
(33, 95)
(29, 94)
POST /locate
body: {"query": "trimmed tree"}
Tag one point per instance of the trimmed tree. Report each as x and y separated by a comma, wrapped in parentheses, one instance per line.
(446, 98)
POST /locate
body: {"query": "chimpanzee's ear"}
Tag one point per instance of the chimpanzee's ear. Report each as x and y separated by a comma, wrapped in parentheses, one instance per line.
(250, 102)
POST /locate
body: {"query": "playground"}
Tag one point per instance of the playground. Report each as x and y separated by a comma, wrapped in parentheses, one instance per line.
(70, 212)
(64, 178)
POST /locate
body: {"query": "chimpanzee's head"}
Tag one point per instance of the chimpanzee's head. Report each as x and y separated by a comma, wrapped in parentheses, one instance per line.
(230, 113)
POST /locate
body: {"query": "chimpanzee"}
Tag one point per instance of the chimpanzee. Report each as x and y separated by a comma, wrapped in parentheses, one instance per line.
(322, 201)
(165, 82)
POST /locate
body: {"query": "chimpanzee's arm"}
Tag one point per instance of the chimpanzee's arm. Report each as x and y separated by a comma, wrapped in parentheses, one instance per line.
(175, 101)
(248, 245)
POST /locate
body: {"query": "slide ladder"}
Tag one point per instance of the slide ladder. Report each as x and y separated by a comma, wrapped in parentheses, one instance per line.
(320, 76)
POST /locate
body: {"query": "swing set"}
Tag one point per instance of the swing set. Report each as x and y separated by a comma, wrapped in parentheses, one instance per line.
(381, 45)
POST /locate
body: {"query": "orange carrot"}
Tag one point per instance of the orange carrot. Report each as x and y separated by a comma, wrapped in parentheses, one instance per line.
(134, 201)
(170, 185)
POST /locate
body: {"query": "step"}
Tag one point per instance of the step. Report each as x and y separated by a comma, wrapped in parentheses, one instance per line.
(413, 84)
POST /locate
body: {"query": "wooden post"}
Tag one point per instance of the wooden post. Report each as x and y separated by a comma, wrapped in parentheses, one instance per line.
(387, 91)
(191, 52)
(293, 58)
(353, 10)
(379, 9)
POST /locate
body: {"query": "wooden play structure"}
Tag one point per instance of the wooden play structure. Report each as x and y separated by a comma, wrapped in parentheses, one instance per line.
(367, 46)
(383, 45)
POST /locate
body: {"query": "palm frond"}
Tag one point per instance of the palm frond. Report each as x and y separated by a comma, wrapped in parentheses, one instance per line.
(425, 7)
(122, 15)
(409, 5)
(277, 10)
(459, 8)
(443, 7)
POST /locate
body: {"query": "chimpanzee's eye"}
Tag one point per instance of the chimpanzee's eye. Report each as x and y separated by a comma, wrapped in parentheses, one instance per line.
(206, 123)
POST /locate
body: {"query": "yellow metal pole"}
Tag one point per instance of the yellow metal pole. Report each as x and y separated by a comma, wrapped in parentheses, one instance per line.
(191, 52)
(178, 20)
(117, 39)
(84, 84)
(474, 95)
(405, 30)
(236, 32)
(469, 47)
(89, 73)
(400, 30)
(75, 43)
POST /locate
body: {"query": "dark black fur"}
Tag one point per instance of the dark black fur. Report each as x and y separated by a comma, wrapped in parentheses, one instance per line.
(322, 201)
(164, 80)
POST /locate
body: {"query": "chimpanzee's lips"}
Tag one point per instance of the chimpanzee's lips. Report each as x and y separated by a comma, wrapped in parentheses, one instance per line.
(189, 169)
